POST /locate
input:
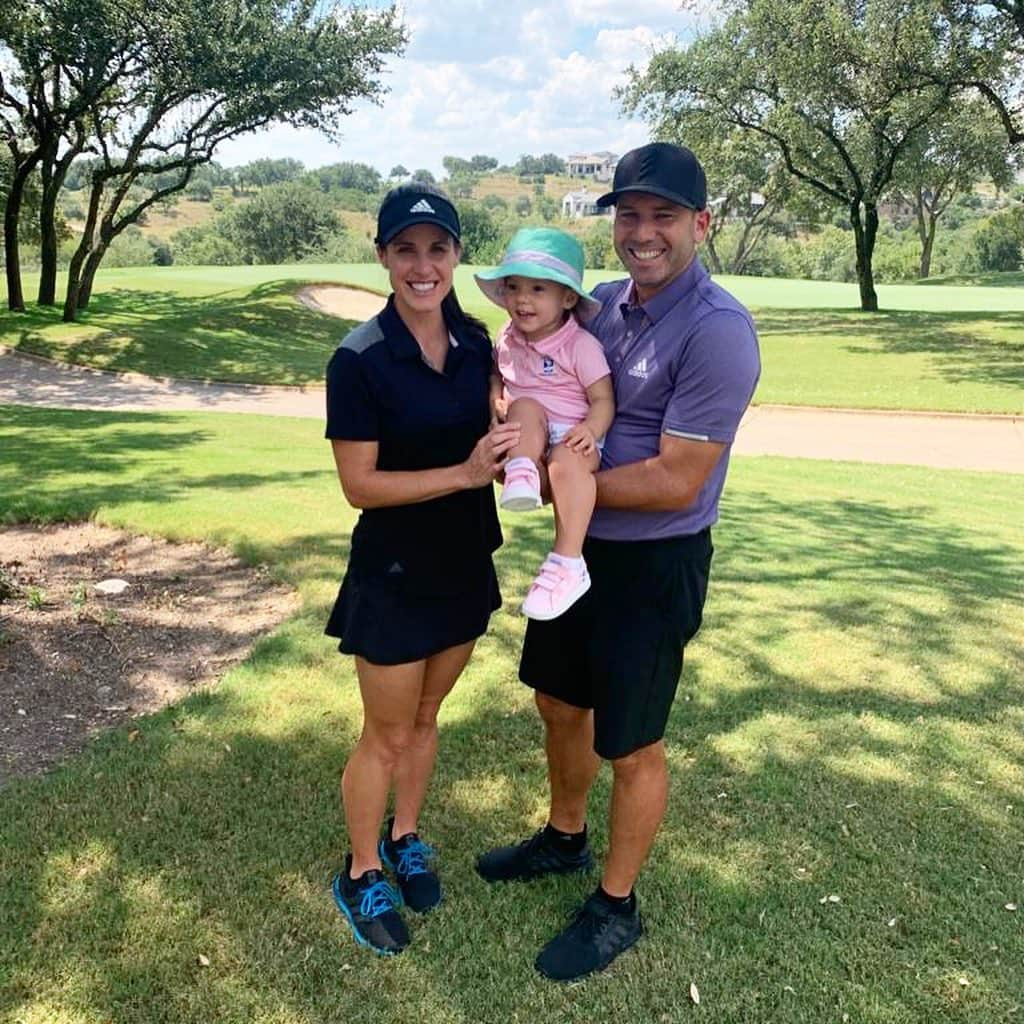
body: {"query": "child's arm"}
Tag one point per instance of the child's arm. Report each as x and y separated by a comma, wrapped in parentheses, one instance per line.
(584, 436)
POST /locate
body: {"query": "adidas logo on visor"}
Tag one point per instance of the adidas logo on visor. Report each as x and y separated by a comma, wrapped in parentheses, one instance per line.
(422, 207)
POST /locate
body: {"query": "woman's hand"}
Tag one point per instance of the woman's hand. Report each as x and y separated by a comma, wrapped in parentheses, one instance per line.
(489, 455)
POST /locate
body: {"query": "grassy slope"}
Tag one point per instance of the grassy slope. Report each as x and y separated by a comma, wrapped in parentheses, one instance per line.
(955, 348)
(849, 723)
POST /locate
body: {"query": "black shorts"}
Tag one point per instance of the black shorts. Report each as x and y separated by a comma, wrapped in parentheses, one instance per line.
(388, 622)
(619, 649)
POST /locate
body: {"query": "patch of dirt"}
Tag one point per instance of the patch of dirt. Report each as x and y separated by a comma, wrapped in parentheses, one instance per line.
(74, 660)
(336, 300)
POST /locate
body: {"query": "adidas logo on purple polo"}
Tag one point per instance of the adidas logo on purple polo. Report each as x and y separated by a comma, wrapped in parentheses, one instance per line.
(640, 370)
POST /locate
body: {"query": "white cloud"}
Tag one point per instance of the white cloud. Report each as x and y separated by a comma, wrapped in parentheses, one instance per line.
(497, 80)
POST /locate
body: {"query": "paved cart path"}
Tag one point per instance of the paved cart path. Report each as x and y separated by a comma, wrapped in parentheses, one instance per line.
(944, 441)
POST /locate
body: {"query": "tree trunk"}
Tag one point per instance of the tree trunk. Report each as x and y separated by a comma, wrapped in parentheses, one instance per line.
(92, 264)
(712, 253)
(12, 214)
(47, 295)
(72, 295)
(110, 228)
(865, 231)
(926, 250)
(54, 175)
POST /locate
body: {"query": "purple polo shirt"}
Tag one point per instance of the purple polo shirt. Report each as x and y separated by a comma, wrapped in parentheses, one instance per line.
(684, 363)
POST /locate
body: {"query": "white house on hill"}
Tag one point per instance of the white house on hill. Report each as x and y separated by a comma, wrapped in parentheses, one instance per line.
(582, 204)
(599, 166)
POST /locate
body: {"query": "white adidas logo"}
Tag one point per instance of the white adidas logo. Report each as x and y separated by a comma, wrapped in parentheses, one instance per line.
(640, 370)
(422, 207)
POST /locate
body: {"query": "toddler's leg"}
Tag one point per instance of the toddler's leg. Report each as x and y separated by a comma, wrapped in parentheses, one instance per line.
(573, 493)
(563, 578)
(522, 472)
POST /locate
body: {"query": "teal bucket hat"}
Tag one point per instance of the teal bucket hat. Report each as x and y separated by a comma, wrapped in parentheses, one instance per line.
(546, 254)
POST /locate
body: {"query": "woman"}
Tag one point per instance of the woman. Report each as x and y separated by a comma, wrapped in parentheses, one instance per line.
(407, 415)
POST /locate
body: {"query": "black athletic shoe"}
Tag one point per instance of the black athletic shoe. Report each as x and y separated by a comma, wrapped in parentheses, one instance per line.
(533, 858)
(591, 941)
(409, 858)
(368, 904)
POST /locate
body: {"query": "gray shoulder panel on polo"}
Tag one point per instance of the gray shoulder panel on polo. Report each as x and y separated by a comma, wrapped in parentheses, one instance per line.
(363, 337)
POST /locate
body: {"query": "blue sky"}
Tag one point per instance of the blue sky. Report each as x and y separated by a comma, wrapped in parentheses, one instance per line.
(494, 78)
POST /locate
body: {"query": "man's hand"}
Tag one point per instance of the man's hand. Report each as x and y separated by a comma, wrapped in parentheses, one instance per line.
(580, 439)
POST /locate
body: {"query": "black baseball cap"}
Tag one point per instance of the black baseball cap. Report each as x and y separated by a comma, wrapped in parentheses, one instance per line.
(415, 203)
(662, 169)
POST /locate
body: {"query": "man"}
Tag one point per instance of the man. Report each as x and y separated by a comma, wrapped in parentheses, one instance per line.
(684, 360)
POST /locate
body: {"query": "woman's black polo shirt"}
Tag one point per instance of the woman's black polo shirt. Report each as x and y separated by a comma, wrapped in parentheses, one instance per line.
(380, 388)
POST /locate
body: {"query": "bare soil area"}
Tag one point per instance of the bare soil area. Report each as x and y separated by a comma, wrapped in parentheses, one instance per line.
(75, 660)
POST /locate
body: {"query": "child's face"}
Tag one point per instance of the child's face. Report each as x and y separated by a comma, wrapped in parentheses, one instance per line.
(538, 308)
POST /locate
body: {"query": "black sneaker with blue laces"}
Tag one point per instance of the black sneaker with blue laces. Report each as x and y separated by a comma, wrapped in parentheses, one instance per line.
(410, 859)
(369, 905)
(600, 930)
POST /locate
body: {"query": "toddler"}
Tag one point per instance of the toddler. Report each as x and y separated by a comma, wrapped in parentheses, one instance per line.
(551, 376)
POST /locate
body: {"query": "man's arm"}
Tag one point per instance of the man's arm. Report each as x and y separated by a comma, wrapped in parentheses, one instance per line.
(666, 482)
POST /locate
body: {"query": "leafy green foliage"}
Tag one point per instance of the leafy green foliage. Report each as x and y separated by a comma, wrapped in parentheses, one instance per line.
(999, 242)
(835, 91)
(346, 175)
(280, 224)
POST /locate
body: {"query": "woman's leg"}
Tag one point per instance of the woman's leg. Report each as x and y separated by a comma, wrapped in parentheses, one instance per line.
(417, 765)
(391, 698)
(573, 493)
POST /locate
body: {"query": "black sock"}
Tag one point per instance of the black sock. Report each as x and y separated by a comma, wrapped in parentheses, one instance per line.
(566, 842)
(620, 904)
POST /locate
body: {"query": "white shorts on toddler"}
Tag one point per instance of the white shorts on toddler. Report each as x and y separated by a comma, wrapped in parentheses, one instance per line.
(557, 432)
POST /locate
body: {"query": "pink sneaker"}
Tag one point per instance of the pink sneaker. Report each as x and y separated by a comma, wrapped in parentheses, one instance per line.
(556, 589)
(521, 492)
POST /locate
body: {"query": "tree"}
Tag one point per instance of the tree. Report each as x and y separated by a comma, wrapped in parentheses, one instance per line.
(398, 172)
(423, 176)
(481, 235)
(43, 110)
(454, 165)
(348, 174)
(280, 224)
(946, 157)
(547, 207)
(183, 76)
(548, 163)
(267, 171)
(987, 56)
(837, 90)
(748, 185)
(482, 164)
(999, 243)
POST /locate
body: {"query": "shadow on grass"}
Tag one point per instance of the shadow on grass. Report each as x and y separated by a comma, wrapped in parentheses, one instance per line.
(215, 833)
(965, 347)
(995, 279)
(125, 457)
(263, 335)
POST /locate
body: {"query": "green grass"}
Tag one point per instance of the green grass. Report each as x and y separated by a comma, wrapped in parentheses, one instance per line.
(849, 723)
(951, 362)
(947, 348)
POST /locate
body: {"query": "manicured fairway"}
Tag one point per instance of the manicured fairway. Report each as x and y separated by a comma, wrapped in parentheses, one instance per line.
(952, 348)
(849, 725)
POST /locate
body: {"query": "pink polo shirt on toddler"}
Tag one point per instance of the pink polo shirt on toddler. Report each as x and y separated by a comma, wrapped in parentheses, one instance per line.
(555, 371)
